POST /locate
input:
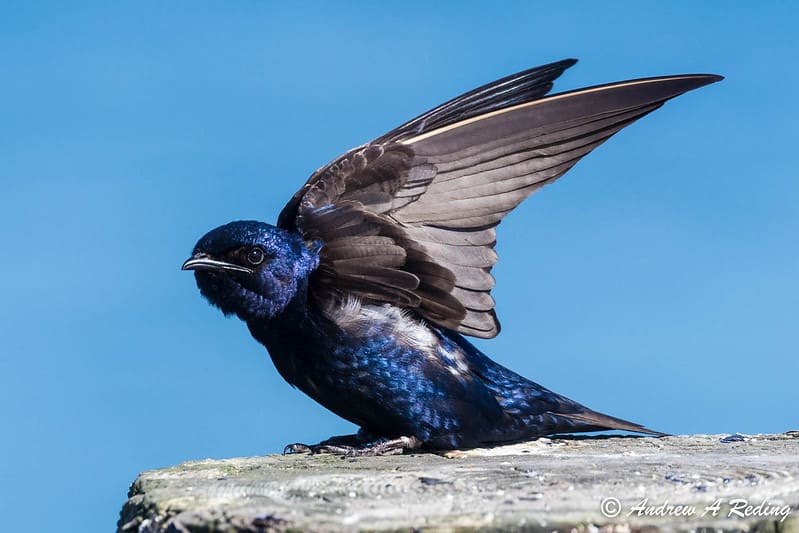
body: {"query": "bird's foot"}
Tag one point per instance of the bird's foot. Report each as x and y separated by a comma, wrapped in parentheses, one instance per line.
(350, 447)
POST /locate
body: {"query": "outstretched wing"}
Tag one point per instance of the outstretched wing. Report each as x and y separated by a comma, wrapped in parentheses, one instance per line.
(411, 218)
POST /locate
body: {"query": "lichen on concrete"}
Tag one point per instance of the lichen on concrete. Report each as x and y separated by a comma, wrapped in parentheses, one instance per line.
(564, 484)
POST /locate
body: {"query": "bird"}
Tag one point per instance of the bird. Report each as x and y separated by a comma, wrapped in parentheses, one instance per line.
(378, 269)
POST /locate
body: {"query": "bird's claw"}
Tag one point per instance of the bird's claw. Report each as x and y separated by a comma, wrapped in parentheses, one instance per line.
(382, 447)
(312, 449)
(296, 447)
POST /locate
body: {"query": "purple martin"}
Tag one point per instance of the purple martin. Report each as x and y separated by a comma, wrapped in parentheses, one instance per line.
(380, 265)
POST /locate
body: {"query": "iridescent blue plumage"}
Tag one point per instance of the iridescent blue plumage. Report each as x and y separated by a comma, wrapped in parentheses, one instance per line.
(265, 292)
(382, 261)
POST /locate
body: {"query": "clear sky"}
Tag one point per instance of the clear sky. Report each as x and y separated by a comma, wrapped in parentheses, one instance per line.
(657, 281)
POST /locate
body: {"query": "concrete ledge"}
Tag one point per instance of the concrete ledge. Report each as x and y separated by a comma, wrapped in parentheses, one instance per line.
(742, 483)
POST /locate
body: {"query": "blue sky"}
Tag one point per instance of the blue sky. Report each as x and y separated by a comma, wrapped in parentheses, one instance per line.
(657, 281)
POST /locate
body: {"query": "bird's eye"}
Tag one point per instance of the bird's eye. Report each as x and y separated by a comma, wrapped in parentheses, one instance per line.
(255, 256)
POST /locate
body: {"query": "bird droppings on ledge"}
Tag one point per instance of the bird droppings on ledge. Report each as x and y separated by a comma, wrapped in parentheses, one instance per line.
(559, 484)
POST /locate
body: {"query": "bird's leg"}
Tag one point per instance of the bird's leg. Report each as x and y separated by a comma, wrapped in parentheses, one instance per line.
(356, 446)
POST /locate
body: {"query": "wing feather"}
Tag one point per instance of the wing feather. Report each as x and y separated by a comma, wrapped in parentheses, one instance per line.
(510, 90)
(410, 219)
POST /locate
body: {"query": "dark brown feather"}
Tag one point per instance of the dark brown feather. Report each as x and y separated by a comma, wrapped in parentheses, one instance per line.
(410, 218)
(514, 89)
(602, 422)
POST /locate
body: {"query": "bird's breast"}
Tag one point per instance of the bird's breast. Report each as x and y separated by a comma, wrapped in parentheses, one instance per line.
(383, 368)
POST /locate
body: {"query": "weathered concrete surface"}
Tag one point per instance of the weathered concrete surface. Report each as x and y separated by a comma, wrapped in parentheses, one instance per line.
(544, 485)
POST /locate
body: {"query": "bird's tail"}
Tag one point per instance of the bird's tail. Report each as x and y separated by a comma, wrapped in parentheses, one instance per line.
(588, 420)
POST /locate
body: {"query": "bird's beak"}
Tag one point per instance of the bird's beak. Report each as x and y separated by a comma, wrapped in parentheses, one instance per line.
(203, 262)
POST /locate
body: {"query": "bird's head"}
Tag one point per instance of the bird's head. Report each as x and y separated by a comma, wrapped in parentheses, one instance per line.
(251, 269)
